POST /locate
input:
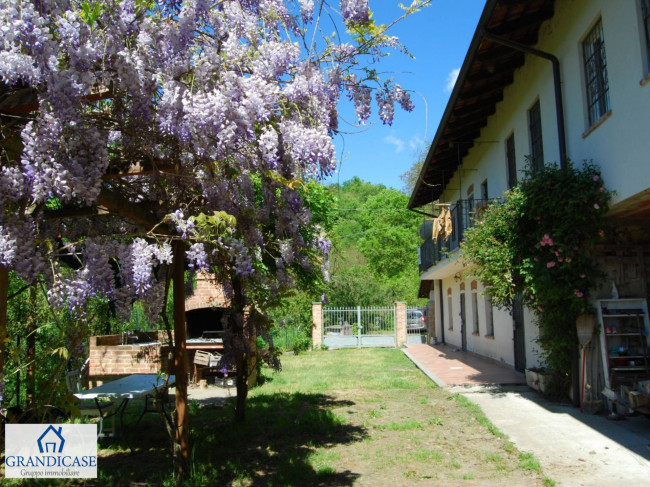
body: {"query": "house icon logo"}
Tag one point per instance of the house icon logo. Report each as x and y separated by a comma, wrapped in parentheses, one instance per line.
(51, 441)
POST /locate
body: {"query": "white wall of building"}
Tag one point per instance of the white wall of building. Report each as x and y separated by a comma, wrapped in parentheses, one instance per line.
(618, 143)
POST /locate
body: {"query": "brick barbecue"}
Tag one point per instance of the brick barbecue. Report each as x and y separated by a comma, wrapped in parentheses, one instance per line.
(114, 356)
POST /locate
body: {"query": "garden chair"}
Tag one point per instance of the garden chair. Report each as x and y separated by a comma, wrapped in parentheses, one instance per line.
(91, 409)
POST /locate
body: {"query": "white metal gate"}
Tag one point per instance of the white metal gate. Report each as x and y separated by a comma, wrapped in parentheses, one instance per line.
(417, 324)
(359, 327)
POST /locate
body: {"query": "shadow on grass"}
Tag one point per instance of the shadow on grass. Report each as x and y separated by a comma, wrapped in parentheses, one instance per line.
(275, 446)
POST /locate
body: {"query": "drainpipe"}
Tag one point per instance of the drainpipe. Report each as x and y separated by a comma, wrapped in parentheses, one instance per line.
(442, 314)
(559, 113)
(559, 107)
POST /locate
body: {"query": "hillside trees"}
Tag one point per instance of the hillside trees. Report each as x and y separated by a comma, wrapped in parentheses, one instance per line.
(374, 260)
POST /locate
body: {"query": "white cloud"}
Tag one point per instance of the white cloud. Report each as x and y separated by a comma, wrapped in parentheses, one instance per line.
(398, 143)
(416, 144)
(451, 80)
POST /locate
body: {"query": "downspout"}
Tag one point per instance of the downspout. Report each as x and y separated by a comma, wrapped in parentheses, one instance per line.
(559, 113)
(559, 107)
(442, 314)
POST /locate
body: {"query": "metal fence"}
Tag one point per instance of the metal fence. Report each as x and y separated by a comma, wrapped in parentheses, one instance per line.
(359, 327)
(417, 324)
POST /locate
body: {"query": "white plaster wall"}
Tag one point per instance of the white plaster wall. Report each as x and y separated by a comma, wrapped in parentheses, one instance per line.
(619, 144)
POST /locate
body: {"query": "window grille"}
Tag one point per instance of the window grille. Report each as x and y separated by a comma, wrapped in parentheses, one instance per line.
(596, 74)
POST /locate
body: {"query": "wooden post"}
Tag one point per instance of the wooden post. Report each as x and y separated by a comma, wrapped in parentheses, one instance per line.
(182, 439)
(30, 354)
(4, 291)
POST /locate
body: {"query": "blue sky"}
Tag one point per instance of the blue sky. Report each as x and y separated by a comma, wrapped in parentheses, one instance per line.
(438, 37)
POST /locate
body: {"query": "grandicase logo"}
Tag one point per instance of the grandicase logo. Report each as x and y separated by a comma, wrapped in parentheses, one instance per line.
(51, 451)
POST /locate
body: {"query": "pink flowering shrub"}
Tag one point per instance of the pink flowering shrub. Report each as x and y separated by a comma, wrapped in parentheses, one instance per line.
(538, 243)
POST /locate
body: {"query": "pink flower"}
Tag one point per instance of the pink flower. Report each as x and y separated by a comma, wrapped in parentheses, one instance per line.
(546, 240)
(550, 264)
(568, 260)
(536, 259)
(578, 293)
(540, 308)
(559, 259)
(602, 189)
(601, 233)
(583, 276)
(597, 206)
(557, 254)
(596, 177)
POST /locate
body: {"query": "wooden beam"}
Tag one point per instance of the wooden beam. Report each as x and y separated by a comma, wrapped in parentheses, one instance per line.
(118, 205)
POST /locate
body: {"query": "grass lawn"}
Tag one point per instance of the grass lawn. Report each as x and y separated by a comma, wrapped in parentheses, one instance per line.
(334, 418)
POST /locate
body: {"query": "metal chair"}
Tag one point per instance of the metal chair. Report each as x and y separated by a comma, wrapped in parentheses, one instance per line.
(91, 409)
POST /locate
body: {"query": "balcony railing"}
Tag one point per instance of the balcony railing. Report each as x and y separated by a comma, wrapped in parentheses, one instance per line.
(463, 213)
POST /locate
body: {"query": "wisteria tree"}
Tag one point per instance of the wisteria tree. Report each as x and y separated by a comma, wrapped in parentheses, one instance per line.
(140, 136)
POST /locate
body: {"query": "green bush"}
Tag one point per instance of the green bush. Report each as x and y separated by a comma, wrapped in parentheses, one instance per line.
(539, 244)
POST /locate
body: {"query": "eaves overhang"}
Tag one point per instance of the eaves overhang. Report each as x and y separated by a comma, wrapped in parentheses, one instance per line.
(487, 70)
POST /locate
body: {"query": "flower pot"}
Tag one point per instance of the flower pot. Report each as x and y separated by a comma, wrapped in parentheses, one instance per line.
(537, 380)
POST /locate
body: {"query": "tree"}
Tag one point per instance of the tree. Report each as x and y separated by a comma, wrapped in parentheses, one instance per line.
(375, 242)
(145, 133)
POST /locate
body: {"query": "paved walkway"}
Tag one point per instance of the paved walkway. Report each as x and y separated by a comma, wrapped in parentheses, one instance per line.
(574, 449)
(448, 366)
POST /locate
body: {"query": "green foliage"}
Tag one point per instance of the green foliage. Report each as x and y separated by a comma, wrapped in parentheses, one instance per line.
(538, 244)
(375, 246)
(213, 226)
(59, 340)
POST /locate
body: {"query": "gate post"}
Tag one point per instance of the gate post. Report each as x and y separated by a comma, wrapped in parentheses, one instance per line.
(358, 326)
(317, 330)
(400, 324)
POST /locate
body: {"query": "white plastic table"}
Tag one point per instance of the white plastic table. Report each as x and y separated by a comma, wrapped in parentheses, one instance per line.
(127, 388)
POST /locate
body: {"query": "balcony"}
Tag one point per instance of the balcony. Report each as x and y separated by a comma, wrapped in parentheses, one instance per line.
(463, 213)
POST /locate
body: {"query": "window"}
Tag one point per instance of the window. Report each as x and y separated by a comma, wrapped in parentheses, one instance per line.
(484, 190)
(475, 330)
(510, 160)
(450, 315)
(535, 131)
(489, 319)
(645, 16)
(593, 48)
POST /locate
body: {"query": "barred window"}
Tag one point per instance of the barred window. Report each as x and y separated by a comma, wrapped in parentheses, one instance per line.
(596, 73)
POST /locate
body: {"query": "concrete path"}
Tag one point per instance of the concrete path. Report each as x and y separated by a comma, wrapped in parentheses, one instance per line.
(575, 449)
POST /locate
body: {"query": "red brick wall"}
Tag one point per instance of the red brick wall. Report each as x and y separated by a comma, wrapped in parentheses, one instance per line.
(110, 359)
(207, 294)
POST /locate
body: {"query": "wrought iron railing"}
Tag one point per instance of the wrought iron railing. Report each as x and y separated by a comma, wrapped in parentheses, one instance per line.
(463, 214)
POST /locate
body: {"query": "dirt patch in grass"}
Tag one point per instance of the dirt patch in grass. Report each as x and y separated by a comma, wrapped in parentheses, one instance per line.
(350, 417)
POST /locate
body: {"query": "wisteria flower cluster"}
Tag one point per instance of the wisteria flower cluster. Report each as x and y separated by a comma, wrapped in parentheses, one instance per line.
(160, 112)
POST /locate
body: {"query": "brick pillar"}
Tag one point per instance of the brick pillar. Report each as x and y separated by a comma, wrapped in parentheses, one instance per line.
(317, 330)
(400, 323)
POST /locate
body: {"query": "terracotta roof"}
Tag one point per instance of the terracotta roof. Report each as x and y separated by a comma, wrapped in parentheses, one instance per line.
(488, 68)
